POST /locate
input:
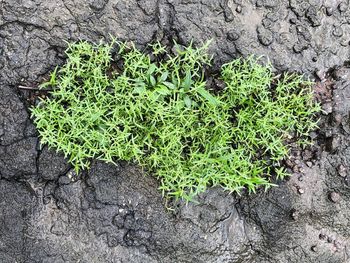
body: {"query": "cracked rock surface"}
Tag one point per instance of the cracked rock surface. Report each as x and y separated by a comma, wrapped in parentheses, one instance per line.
(115, 213)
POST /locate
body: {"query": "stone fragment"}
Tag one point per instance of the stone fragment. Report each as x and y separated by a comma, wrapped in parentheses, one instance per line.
(232, 35)
(265, 36)
(312, 16)
(314, 248)
(329, 11)
(327, 107)
(337, 31)
(294, 214)
(228, 14)
(342, 171)
(342, 7)
(334, 197)
(300, 46)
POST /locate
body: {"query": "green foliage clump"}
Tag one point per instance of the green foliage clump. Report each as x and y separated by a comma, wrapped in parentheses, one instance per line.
(156, 110)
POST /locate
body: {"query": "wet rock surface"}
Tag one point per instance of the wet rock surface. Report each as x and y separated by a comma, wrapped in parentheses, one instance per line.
(115, 213)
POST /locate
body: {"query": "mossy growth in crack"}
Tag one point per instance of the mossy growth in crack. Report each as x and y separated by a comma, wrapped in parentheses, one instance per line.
(114, 102)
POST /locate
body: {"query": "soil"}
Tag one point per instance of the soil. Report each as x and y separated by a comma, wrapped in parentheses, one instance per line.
(115, 213)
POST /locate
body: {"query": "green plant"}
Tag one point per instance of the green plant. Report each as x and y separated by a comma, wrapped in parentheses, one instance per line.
(159, 113)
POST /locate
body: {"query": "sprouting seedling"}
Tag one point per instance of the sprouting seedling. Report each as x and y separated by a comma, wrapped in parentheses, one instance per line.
(52, 80)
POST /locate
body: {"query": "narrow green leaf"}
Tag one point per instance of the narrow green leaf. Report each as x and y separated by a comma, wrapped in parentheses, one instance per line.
(139, 89)
(152, 80)
(162, 89)
(206, 95)
(163, 77)
(187, 81)
(151, 69)
(188, 101)
(169, 85)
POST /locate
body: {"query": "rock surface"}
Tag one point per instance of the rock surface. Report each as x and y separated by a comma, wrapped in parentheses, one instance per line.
(114, 213)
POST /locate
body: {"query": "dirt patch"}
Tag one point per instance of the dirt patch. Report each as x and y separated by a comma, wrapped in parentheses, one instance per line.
(114, 213)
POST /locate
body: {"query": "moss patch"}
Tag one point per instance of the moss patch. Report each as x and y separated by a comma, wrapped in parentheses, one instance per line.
(156, 110)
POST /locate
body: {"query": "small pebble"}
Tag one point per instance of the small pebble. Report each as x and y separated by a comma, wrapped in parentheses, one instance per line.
(347, 181)
(301, 191)
(327, 107)
(329, 239)
(313, 135)
(265, 36)
(65, 180)
(342, 73)
(309, 164)
(232, 35)
(267, 23)
(296, 169)
(294, 214)
(337, 31)
(293, 20)
(337, 118)
(300, 29)
(342, 7)
(322, 236)
(307, 155)
(239, 9)
(321, 74)
(299, 47)
(334, 197)
(289, 163)
(314, 248)
(337, 245)
(342, 170)
(300, 178)
(335, 143)
(259, 3)
(328, 132)
(329, 11)
(229, 16)
(46, 200)
(344, 42)
(219, 84)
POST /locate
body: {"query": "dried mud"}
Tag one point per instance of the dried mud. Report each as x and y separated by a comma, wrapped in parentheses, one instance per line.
(115, 213)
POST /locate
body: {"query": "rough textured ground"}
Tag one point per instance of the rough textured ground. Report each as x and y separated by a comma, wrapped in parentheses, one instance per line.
(115, 214)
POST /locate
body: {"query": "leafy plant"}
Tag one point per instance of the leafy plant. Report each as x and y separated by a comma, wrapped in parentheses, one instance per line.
(157, 111)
